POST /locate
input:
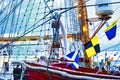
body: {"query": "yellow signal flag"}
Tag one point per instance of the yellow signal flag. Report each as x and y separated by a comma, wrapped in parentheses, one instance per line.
(94, 40)
(92, 47)
(90, 52)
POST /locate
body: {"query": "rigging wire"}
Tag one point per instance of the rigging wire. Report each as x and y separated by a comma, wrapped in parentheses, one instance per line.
(29, 30)
(24, 15)
(40, 30)
(7, 16)
(11, 26)
(2, 4)
(29, 14)
(38, 21)
(103, 35)
(18, 17)
(114, 47)
(22, 21)
(7, 21)
(83, 6)
(46, 6)
(61, 13)
(3, 28)
(31, 10)
(12, 21)
(66, 18)
(55, 10)
(11, 11)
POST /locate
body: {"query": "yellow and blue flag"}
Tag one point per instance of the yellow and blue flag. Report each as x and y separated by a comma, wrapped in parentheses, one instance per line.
(92, 47)
(110, 31)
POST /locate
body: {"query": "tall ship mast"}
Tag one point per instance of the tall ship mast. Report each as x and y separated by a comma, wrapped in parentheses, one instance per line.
(84, 26)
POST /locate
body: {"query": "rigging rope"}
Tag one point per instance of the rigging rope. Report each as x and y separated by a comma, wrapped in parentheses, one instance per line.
(29, 14)
(3, 28)
(2, 8)
(49, 75)
(18, 17)
(24, 15)
(12, 21)
(32, 27)
(10, 12)
(27, 22)
(42, 18)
